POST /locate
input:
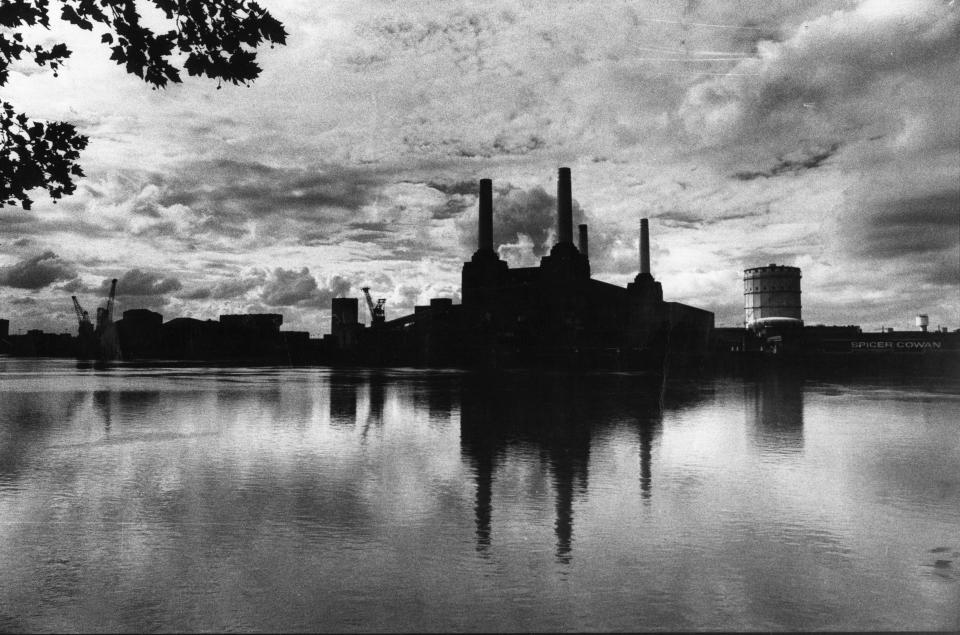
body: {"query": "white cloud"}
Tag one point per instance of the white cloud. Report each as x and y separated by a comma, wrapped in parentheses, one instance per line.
(838, 118)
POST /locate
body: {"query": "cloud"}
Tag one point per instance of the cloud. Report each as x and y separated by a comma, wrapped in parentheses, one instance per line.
(73, 286)
(846, 75)
(519, 212)
(910, 227)
(286, 287)
(773, 129)
(520, 253)
(225, 289)
(36, 272)
(141, 289)
(462, 188)
(253, 189)
(806, 159)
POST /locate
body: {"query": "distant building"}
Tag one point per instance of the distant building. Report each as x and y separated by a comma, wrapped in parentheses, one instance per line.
(189, 338)
(262, 323)
(557, 311)
(551, 314)
(345, 322)
(36, 343)
(139, 332)
(771, 297)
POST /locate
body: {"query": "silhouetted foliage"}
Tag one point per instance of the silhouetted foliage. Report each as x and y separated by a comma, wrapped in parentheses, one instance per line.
(211, 38)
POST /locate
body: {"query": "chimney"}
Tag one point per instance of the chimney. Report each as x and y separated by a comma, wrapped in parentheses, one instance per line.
(644, 247)
(564, 208)
(485, 229)
(583, 240)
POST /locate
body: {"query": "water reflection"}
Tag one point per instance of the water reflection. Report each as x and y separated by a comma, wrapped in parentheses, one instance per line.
(126, 405)
(558, 416)
(343, 398)
(376, 397)
(775, 411)
(648, 428)
(26, 421)
(197, 500)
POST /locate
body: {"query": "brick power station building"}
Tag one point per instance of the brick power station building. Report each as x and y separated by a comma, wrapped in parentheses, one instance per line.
(554, 314)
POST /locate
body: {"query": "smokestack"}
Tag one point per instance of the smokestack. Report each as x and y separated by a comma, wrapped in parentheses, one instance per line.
(644, 246)
(564, 208)
(485, 229)
(583, 240)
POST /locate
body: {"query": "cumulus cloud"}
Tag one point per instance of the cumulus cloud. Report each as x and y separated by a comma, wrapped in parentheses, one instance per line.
(767, 123)
(142, 283)
(141, 289)
(520, 253)
(73, 286)
(287, 287)
(250, 188)
(848, 74)
(911, 228)
(517, 213)
(225, 289)
(36, 272)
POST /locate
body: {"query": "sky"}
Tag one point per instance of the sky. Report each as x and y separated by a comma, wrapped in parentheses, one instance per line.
(822, 135)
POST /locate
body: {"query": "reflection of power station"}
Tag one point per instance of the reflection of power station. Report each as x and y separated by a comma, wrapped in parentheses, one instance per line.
(771, 296)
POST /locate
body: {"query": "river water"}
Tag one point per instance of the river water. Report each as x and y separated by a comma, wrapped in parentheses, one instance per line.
(186, 499)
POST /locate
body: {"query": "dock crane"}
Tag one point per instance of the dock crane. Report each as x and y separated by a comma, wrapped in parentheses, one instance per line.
(109, 339)
(101, 341)
(105, 314)
(86, 340)
(377, 314)
(83, 317)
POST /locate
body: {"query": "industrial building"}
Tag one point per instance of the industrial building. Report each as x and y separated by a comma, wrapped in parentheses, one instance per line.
(554, 314)
(143, 334)
(773, 328)
(772, 296)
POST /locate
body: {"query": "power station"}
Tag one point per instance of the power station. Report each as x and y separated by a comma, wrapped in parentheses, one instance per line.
(553, 314)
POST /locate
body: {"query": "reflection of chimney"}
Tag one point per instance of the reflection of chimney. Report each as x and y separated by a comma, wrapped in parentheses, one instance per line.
(563, 526)
(485, 230)
(564, 208)
(583, 240)
(644, 246)
(483, 507)
(646, 454)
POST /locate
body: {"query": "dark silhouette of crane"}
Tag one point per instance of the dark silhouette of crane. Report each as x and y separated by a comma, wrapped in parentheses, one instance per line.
(105, 314)
(100, 341)
(377, 313)
(83, 317)
(87, 345)
(109, 341)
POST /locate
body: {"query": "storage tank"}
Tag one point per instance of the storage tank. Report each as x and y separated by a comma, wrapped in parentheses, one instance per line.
(923, 320)
(771, 296)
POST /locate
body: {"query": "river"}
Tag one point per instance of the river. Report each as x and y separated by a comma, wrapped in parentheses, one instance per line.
(305, 499)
